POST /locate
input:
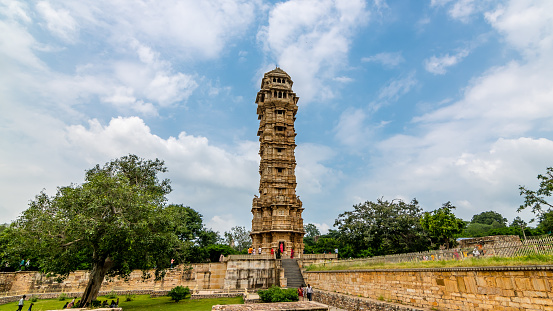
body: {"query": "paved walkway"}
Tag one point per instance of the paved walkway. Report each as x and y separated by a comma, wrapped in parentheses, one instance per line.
(276, 306)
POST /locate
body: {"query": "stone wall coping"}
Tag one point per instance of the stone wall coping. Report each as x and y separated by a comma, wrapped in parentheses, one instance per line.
(452, 269)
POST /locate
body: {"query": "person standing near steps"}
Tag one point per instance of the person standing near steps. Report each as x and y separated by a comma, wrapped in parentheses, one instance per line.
(309, 292)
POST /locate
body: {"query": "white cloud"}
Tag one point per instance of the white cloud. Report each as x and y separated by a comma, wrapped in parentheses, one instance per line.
(14, 10)
(16, 44)
(509, 100)
(199, 29)
(386, 59)
(352, 129)
(527, 25)
(462, 10)
(221, 223)
(310, 40)
(58, 21)
(438, 65)
(343, 79)
(312, 174)
(397, 88)
(323, 227)
(198, 161)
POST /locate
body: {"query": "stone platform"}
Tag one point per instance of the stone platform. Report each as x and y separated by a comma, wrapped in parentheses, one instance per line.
(275, 306)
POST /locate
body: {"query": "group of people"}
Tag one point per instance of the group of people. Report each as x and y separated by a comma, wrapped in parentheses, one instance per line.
(251, 251)
(305, 291)
(113, 304)
(23, 263)
(279, 252)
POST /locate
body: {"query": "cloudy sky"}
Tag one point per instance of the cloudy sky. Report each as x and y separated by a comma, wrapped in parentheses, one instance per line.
(441, 100)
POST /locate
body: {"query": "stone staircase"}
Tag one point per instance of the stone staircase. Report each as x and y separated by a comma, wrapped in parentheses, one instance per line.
(292, 273)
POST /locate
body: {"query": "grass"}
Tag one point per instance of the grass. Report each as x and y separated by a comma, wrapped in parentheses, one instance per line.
(139, 303)
(467, 262)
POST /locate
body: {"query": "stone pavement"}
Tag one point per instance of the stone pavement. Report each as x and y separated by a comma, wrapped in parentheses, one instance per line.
(275, 306)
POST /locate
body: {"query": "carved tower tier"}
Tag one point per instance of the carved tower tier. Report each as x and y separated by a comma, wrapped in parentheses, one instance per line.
(277, 212)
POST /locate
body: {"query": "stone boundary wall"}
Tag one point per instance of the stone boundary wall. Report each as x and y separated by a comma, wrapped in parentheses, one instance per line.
(358, 303)
(467, 288)
(201, 276)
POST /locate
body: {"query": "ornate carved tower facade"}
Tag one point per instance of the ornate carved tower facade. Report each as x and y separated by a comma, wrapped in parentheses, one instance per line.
(277, 212)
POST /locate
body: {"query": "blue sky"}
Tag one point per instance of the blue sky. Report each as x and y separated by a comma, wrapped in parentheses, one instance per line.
(441, 100)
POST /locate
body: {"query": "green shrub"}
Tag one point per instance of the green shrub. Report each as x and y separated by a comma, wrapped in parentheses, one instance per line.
(62, 297)
(33, 298)
(112, 295)
(179, 293)
(96, 303)
(277, 294)
(129, 297)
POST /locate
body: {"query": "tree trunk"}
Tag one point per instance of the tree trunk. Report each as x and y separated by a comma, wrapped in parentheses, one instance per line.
(95, 280)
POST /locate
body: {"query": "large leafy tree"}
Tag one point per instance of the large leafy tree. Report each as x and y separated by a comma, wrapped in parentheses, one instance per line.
(383, 227)
(490, 218)
(115, 221)
(311, 231)
(536, 200)
(442, 225)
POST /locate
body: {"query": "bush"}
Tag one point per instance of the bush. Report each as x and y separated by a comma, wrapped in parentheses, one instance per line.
(277, 294)
(179, 293)
(33, 298)
(62, 297)
(129, 297)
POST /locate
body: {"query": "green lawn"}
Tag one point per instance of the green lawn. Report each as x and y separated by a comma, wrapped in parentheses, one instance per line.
(139, 303)
(467, 262)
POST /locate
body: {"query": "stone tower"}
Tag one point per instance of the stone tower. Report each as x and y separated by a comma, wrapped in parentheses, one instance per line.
(277, 221)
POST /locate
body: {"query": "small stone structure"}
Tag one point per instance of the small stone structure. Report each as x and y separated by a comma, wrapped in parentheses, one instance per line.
(277, 222)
